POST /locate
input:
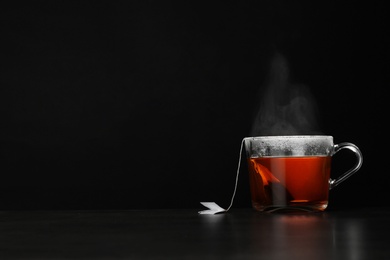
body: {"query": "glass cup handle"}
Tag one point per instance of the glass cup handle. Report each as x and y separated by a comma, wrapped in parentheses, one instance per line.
(347, 174)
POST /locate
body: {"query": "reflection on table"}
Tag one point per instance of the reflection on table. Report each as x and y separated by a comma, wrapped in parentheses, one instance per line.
(184, 234)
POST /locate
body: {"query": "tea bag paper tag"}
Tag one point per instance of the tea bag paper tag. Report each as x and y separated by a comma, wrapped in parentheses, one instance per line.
(213, 207)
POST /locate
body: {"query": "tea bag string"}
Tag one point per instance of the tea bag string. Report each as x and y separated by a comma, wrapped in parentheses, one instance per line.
(214, 208)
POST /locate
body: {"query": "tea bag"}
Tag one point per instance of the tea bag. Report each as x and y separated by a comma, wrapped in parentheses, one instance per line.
(214, 208)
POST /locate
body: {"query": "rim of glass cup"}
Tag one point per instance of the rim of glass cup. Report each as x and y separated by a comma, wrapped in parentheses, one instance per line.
(290, 137)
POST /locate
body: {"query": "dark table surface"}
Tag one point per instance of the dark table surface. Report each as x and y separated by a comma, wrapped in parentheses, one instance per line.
(354, 233)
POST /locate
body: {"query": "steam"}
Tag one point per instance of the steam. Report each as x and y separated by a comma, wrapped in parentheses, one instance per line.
(285, 108)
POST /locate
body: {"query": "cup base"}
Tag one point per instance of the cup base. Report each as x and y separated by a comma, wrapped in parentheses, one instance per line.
(292, 208)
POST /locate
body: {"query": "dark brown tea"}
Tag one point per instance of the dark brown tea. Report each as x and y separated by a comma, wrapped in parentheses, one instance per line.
(290, 183)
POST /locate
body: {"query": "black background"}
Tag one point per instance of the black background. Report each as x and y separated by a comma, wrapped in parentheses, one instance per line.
(143, 104)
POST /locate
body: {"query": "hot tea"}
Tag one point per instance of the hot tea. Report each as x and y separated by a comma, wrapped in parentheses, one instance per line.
(289, 182)
(290, 173)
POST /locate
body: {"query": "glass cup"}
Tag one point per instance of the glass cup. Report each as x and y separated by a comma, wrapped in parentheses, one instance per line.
(292, 173)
